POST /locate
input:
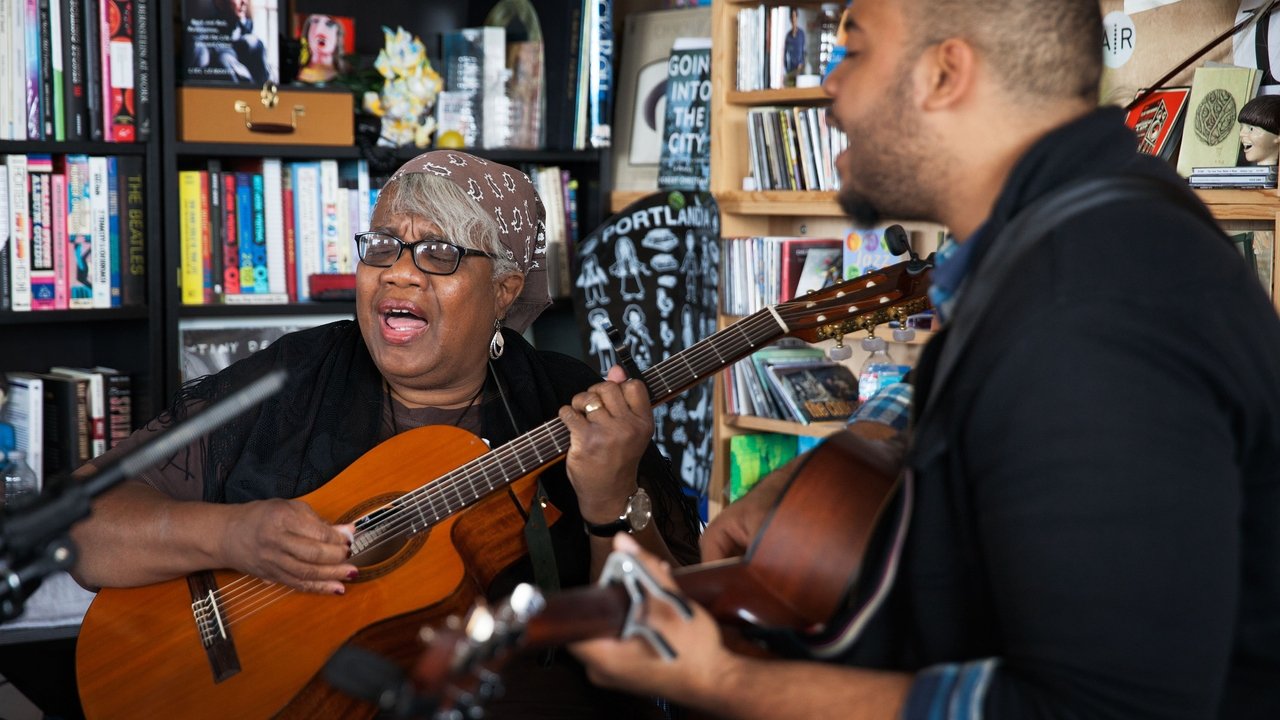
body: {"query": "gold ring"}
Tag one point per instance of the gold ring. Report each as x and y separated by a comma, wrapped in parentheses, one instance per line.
(590, 408)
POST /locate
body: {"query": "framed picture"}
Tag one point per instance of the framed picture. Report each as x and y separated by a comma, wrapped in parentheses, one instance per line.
(208, 345)
(325, 40)
(642, 86)
(1158, 121)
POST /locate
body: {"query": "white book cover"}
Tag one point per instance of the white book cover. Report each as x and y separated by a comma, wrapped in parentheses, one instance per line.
(329, 240)
(272, 195)
(6, 123)
(17, 100)
(365, 205)
(492, 42)
(306, 209)
(24, 410)
(342, 215)
(100, 213)
(79, 233)
(19, 234)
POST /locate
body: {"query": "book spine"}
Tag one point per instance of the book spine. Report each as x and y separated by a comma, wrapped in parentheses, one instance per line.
(244, 231)
(34, 95)
(191, 274)
(43, 278)
(104, 67)
(17, 75)
(76, 109)
(120, 52)
(306, 200)
(83, 424)
(290, 234)
(119, 394)
(113, 228)
(19, 234)
(217, 239)
(99, 209)
(61, 253)
(261, 276)
(602, 90)
(230, 238)
(57, 18)
(94, 68)
(6, 300)
(329, 240)
(46, 72)
(79, 233)
(142, 68)
(133, 232)
(208, 245)
(273, 217)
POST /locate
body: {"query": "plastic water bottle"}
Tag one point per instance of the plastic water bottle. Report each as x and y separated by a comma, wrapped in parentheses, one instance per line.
(828, 28)
(20, 482)
(878, 370)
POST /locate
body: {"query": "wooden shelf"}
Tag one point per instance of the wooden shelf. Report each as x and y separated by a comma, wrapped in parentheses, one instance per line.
(752, 423)
(1260, 204)
(619, 199)
(784, 96)
(779, 202)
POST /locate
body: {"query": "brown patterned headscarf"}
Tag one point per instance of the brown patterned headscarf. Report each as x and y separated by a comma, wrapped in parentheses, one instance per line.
(508, 196)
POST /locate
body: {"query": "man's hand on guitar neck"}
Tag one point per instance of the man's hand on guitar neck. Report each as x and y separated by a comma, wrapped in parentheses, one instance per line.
(731, 531)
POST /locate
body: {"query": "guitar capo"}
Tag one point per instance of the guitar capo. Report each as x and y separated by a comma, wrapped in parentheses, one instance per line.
(621, 568)
(622, 351)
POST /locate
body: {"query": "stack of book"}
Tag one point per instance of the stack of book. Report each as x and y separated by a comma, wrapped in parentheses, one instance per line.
(1248, 176)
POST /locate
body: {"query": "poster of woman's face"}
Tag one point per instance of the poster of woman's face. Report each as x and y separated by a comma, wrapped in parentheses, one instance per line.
(325, 40)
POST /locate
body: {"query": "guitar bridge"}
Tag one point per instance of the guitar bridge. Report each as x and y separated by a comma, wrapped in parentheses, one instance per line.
(215, 634)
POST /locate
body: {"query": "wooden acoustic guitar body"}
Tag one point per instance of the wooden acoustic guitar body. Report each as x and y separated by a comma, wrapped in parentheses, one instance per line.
(140, 652)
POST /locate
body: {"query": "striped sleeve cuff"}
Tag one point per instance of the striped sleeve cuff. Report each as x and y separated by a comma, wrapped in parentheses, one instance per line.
(891, 405)
(950, 692)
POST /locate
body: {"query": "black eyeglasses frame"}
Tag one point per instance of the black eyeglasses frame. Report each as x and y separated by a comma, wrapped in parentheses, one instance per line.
(413, 256)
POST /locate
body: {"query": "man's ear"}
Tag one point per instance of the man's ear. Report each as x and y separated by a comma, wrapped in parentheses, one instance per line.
(507, 288)
(950, 71)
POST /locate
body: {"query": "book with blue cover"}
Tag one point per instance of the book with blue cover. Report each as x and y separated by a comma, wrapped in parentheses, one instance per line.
(684, 162)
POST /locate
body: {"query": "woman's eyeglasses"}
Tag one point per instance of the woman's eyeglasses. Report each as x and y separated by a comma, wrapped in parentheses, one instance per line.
(433, 256)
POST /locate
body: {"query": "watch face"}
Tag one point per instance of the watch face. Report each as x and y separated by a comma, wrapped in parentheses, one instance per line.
(639, 511)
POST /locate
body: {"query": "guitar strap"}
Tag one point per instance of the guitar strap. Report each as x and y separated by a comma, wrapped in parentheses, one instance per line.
(1016, 240)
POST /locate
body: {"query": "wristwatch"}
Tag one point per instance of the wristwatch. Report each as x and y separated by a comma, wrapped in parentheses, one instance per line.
(634, 518)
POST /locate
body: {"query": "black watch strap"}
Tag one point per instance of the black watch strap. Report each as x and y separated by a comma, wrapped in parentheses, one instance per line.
(608, 529)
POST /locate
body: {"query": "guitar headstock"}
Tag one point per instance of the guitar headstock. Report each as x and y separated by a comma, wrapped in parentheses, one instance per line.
(890, 293)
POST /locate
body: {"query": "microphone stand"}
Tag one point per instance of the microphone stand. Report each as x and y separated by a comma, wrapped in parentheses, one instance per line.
(37, 543)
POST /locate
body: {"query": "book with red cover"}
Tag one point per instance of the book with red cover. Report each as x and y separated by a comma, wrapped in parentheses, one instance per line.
(794, 253)
(121, 114)
(1158, 121)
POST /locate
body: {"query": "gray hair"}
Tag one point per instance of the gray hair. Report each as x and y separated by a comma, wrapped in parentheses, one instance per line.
(460, 218)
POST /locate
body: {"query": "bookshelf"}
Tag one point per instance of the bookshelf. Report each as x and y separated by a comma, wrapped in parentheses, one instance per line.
(128, 338)
(556, 329)
(768, 212)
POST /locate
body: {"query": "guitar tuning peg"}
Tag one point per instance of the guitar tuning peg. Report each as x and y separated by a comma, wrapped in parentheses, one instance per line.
(840, 352)
(904, 334)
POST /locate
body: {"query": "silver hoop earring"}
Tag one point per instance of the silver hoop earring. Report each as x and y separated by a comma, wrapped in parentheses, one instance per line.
(496, 345)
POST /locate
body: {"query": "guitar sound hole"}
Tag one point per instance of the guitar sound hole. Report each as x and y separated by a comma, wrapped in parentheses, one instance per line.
(385, 536)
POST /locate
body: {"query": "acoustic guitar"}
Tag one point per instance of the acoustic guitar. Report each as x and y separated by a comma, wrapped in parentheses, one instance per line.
(835, 499)
(432, 530)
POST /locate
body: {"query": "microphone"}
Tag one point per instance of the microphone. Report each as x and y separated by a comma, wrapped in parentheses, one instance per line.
(369, 676)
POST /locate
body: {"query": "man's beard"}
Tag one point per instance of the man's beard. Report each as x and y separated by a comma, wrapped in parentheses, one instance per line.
(859, 207)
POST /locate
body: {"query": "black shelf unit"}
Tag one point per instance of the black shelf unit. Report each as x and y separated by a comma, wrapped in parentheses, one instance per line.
(128, 338)
(556, 329)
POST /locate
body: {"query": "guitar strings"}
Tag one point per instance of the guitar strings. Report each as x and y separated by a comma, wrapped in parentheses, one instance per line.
(456, 489)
